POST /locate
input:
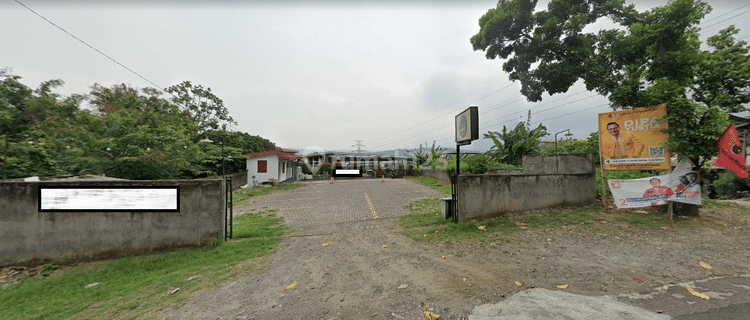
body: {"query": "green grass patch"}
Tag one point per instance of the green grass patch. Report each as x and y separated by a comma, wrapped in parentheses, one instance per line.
(653, 221)
(430, 182)
(425, 223)
(138, 287)
(717, 203)
(245, 194)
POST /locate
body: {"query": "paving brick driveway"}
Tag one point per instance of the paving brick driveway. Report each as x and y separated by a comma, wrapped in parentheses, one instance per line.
(319, 202)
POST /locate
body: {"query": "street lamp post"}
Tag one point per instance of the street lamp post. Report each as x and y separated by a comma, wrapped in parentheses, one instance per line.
(557, 164)
(223, 172)
(5, 159)
(224, 177)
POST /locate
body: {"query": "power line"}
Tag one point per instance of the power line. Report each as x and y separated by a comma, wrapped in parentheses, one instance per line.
(90, 46)
(559, 116)
(723, 14)
(724, 21)
(540, 111)
(449, 112)
(495, 106)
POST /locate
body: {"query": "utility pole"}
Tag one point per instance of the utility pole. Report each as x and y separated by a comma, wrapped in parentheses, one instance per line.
(359, 146)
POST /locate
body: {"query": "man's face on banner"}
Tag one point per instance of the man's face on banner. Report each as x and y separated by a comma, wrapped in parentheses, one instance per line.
(614, 129)
(655, 182)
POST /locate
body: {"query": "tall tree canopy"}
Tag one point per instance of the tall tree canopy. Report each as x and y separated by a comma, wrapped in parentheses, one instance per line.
(130, 133)
(649, 58)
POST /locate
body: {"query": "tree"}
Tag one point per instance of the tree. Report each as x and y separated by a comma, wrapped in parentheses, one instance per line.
(511, 146)
(653, 57)
(205, 108)
(142, 136)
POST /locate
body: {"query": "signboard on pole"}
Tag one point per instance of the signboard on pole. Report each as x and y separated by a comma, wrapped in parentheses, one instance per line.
(632, 139)
(467, 125)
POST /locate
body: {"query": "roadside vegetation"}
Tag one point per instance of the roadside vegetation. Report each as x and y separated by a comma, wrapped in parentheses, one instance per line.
(139, 287)
(425, 221)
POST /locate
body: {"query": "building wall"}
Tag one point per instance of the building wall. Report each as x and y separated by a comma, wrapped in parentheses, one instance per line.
(271, 172)
(32, 237)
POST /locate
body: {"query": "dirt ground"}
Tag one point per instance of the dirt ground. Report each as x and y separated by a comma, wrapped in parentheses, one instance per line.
(356, 278)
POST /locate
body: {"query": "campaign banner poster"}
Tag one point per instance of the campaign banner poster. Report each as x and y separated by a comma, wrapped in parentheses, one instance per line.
(631, 139)
(682, 185)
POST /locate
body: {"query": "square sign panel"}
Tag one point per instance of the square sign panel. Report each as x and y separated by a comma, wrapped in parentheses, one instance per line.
(467, 125)
(633, 139)
(109, 199)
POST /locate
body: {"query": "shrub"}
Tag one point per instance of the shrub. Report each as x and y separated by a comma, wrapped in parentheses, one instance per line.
(306, 168)
(728, 181)
(324, 167)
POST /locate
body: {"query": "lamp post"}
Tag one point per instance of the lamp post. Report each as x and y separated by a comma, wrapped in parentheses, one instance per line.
(223, 172)
(557, 164)
(5, 159)
(224, 177)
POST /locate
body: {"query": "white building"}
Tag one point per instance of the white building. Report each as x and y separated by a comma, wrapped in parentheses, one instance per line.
(282, 165)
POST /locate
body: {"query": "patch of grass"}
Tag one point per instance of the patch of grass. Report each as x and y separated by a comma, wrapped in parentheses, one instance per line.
(138, 287)
(256, 225)
(653, 221)
(245, 194)
(717, 203)
(430, 182)
(424, 212)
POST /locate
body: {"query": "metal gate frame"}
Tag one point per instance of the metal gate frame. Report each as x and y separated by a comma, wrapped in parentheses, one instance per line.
(228, 207)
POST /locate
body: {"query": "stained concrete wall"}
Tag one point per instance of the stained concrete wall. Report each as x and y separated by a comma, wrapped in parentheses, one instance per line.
(435, 173)
(31, 237)
(562, 164)
(239, 179)
(489, 195)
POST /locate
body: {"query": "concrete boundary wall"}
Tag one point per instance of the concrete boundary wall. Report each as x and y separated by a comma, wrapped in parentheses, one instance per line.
(435, 173)
(239, 179)
(32, 237)
(484, 196)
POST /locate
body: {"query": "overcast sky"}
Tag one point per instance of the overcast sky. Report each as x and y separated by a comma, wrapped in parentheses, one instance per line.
(305, 75)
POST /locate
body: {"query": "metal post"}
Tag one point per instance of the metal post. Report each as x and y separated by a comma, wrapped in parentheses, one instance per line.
(223, 172)
(455, 179)
(231, 208)
(225, 210)
(5, 159)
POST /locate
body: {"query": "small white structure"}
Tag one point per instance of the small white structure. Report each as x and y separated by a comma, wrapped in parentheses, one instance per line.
(280, 164)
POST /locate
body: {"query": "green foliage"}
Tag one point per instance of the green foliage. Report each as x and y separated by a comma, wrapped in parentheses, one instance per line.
(651, 58)
(129, 133)
(728, 181)
(433, 160)
(206, 109)
(511, 146)
(306, 168)
(590, 145)
(420, 155)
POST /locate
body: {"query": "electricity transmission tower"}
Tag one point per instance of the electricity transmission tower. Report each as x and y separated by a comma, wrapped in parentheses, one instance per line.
(359, 145)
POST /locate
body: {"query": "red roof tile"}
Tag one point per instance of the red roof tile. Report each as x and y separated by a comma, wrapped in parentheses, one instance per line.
(272, 151)
(289, 156)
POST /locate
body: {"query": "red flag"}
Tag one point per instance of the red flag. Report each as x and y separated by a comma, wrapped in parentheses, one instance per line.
(730, 153)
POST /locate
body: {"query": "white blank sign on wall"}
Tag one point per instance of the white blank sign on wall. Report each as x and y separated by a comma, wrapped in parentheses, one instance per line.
(109, 199)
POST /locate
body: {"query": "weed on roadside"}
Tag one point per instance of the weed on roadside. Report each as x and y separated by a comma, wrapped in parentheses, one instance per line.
(430, 182)
(425, 223)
